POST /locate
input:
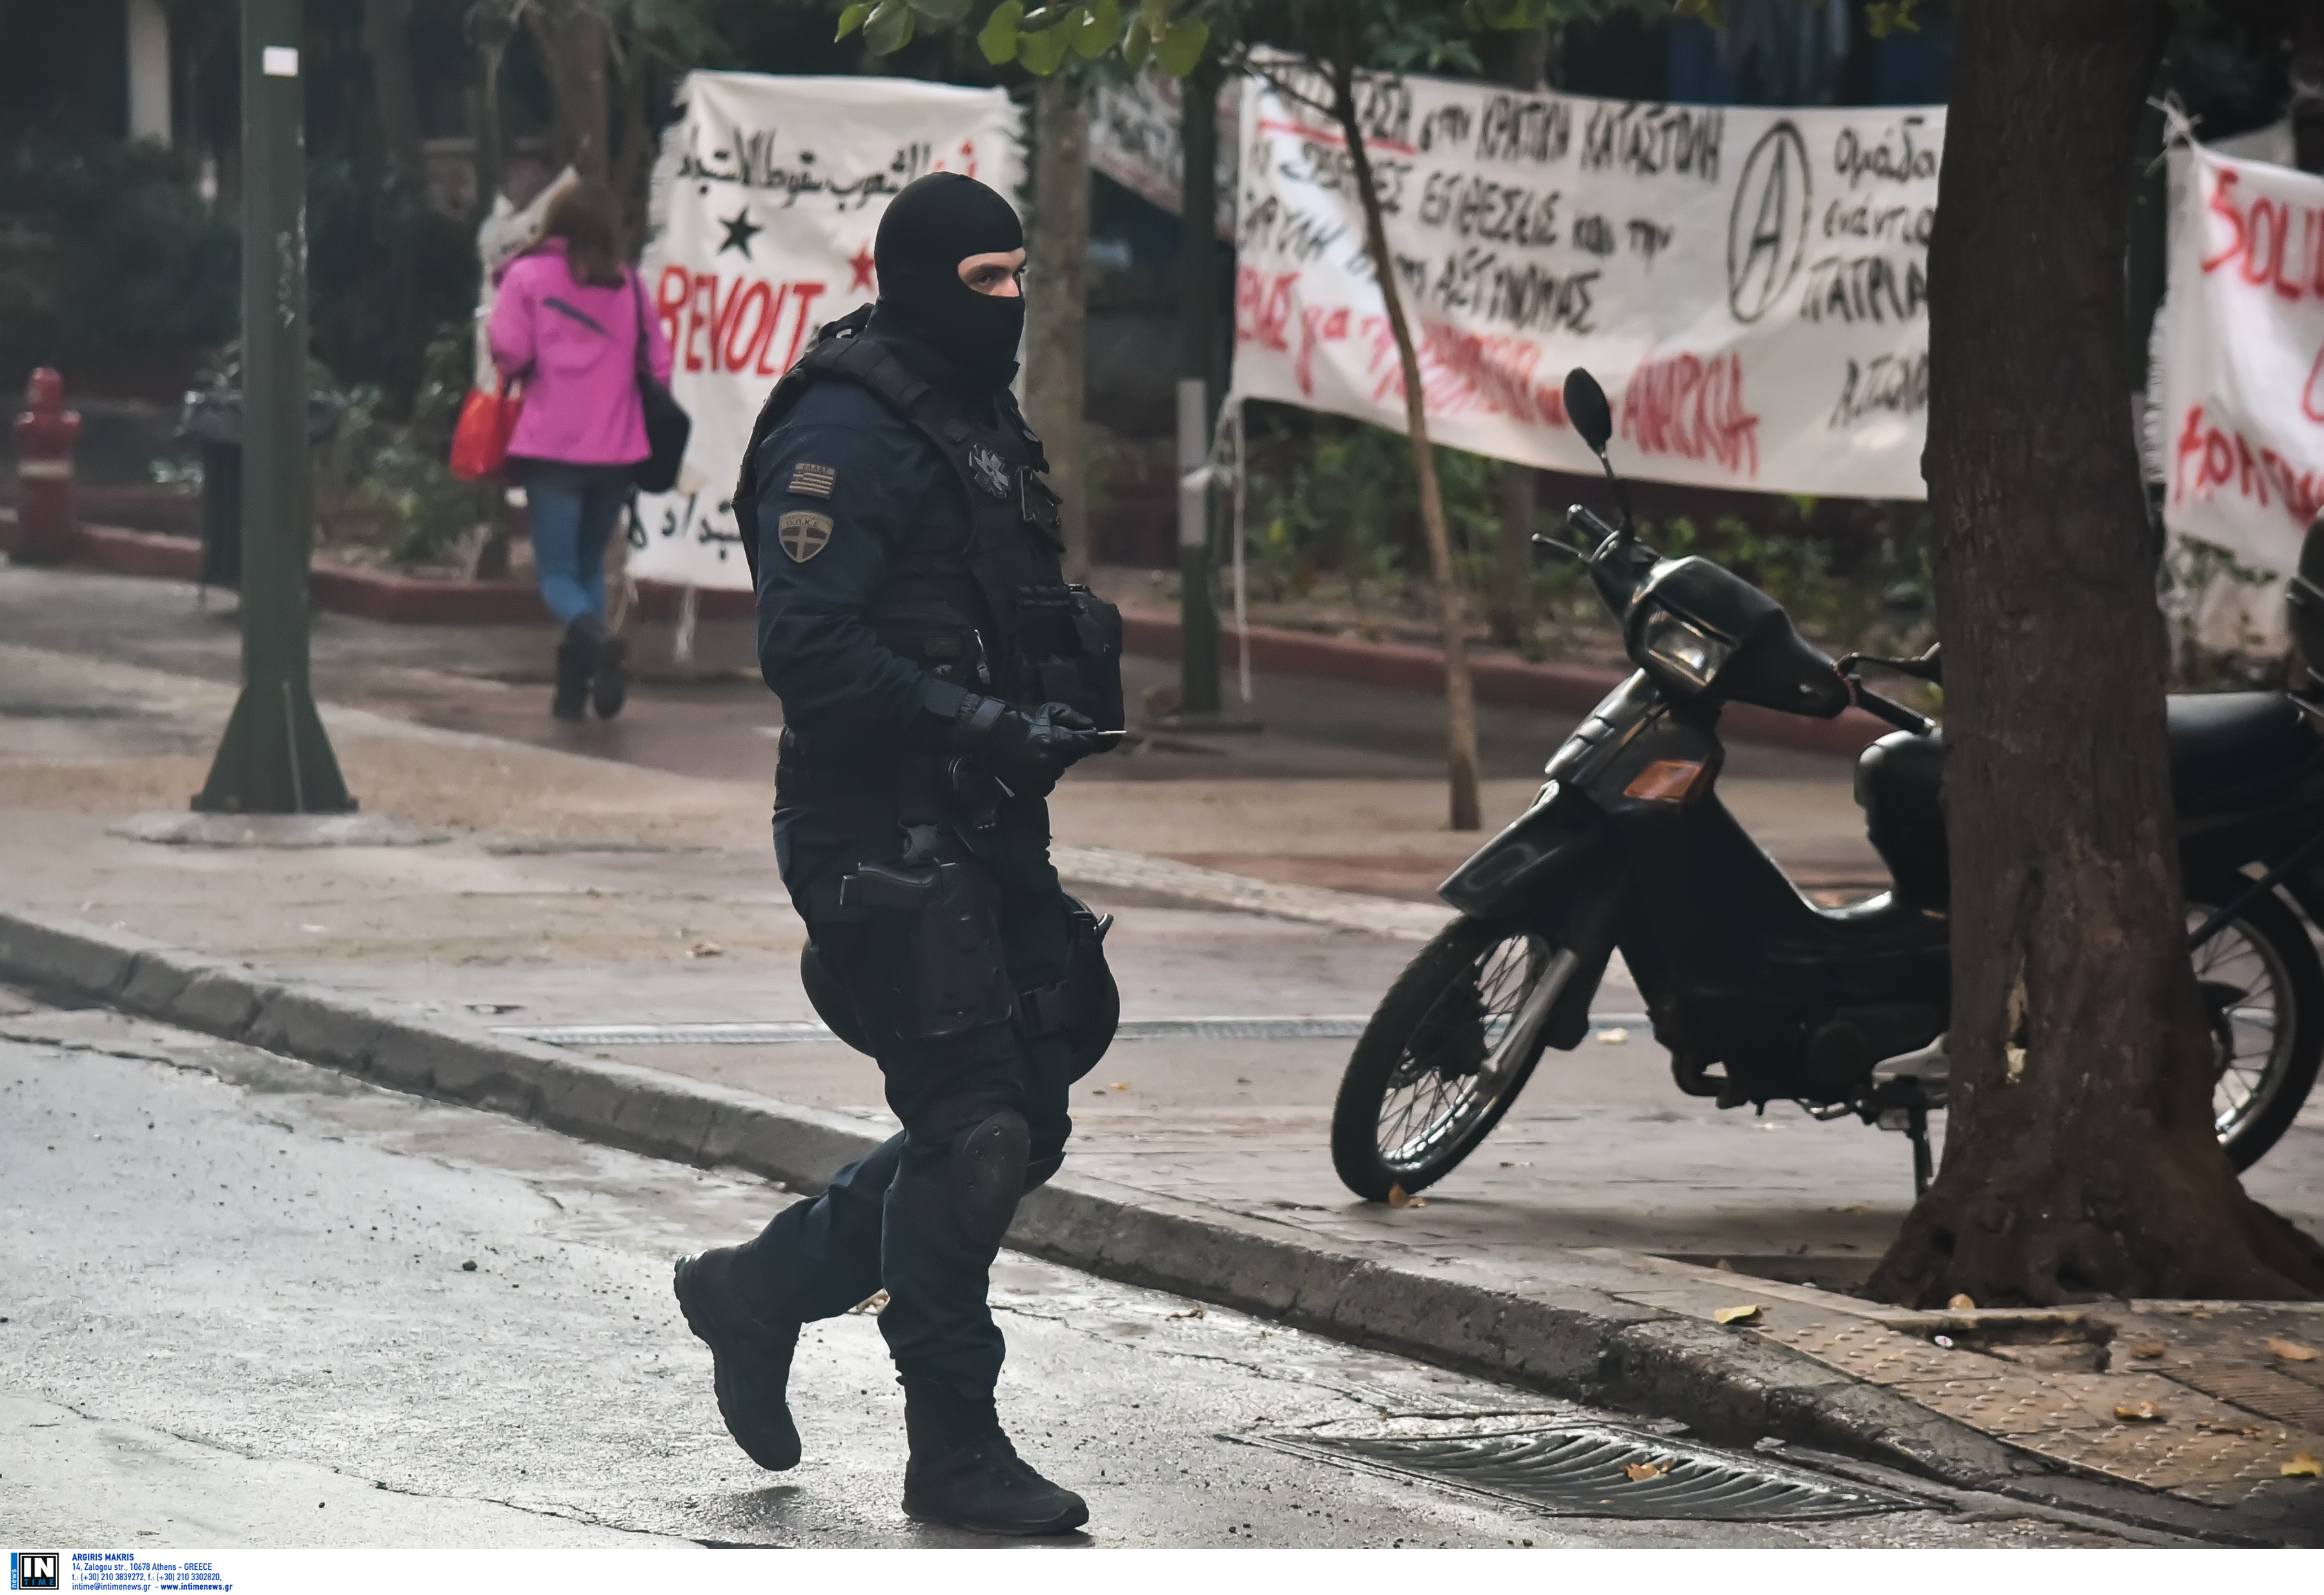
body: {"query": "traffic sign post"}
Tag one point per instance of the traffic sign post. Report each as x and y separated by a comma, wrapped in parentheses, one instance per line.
(275, 757)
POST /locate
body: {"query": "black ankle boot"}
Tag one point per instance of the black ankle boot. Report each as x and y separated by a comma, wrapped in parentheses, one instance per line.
(577, 662)
(749, 1359)
(610, 688)
(963, 1472)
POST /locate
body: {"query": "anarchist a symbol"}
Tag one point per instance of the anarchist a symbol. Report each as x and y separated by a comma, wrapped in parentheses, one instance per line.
(1768, 228)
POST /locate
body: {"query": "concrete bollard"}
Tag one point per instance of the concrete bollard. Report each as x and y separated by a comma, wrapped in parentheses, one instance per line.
(47, 434)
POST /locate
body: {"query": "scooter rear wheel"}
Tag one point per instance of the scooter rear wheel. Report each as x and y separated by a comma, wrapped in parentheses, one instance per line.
(1446, 1052)
(2264, 996)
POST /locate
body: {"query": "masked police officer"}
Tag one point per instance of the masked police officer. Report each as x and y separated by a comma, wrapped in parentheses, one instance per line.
(937, 675)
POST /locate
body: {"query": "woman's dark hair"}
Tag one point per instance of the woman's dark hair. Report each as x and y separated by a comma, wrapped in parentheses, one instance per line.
(588, 219)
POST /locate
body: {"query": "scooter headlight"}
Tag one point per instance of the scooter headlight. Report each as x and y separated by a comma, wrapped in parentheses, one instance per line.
(1679, 648)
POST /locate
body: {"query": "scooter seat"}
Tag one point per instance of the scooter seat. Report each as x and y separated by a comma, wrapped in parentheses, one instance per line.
(2231, 747)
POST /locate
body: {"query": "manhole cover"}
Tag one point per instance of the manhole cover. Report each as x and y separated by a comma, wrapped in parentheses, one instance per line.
(1587, 1470)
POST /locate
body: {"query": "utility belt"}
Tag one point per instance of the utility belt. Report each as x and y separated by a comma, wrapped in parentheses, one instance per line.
(943, 970)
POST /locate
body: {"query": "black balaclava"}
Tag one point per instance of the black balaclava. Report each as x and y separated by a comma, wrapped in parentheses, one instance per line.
(934, 224)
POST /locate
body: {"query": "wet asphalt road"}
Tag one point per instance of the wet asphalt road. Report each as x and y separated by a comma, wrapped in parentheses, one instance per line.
(236, 1307)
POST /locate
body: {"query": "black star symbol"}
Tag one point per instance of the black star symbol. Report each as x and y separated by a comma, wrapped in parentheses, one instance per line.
(740, 230)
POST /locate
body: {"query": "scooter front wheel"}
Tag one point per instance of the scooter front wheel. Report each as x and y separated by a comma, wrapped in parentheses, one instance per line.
(1446, 1054)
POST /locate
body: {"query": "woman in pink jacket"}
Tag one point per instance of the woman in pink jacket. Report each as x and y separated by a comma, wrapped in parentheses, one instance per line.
(565, 323)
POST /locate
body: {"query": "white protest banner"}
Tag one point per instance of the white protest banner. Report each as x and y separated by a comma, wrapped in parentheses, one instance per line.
(1135, 139)
(767, 196)
(1750, 285)
(2240, 424)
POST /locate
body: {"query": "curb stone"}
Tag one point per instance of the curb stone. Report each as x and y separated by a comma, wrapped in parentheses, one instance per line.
(1570, 1336)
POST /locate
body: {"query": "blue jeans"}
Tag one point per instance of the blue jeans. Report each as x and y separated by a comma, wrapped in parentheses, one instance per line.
(572, 509)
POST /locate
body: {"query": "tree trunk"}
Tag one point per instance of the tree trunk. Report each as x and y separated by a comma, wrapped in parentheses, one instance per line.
(1511, 611)
(1460, 697)
(2080, 1159)
(1523, 59)
(630, 173)
(1057, 323)
(388, 45)
(571, 39)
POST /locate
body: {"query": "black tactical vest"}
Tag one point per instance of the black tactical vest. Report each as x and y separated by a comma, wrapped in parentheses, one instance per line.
(995, 615)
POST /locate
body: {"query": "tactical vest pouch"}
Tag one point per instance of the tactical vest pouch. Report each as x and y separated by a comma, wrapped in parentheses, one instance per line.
(947, 975)
(1074, 640)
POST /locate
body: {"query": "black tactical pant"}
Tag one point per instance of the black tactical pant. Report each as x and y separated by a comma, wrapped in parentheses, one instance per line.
(920, 1216)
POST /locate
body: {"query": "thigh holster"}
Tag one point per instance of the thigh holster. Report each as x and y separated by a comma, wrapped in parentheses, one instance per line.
(933, 965)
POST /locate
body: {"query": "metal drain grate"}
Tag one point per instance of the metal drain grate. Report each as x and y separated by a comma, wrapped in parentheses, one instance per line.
(780, 1032)
(1580, 1470)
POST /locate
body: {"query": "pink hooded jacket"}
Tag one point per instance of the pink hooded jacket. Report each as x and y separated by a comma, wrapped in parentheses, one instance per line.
(575, 349)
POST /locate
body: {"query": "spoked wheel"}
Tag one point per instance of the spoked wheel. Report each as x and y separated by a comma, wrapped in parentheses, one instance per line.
(2264, 994)
(1445, 1055)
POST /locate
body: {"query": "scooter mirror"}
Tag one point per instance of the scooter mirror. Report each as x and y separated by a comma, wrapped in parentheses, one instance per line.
(1586, 408)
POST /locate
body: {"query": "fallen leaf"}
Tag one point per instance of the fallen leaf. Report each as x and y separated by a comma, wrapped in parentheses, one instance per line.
(1397, 1197)
(1189, 1313)
(1639, 1472)
(2291, 1350)
(705, 950)
(872, 1303)
(1744, 1314)
(1121, 1085)
(2144, 1349)
(1723, 1265)
(1963, 1303)
(1614, 1038)
(2303, 1466)
(2146, 1412)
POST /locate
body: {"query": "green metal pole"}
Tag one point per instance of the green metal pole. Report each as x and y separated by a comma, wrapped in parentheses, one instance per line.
(1198, 335)
(275, 758)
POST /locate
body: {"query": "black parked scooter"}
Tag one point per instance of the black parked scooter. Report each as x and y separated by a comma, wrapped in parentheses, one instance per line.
(1758, 993)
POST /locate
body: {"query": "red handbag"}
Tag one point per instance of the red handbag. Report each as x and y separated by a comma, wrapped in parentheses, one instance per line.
(480, 440)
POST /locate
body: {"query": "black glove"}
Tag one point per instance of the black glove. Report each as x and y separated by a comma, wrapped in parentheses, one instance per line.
(1025, 752)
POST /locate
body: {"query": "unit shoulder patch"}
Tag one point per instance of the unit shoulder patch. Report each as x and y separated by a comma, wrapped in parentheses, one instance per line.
(814, 481)
(803, 534)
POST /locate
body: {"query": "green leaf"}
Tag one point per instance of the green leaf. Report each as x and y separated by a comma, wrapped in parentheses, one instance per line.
(998, 38)
(1892, 17)
(1137, 44)
(1044, 52)
(1182, 47)
(943, 12)
(851, 19)
(1097, 30)
(889, 28)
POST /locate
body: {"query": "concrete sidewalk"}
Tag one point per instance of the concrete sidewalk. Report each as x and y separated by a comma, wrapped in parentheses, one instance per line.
(1580, 1250)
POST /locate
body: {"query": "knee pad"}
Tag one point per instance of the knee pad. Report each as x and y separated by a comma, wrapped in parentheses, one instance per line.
(959, 1190)
(986, 1176)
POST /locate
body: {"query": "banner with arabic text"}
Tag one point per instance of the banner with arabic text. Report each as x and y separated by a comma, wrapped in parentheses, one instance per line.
(1750, 285)
(766, 197)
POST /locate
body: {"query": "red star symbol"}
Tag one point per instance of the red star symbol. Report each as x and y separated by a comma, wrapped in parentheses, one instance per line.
(860, 262)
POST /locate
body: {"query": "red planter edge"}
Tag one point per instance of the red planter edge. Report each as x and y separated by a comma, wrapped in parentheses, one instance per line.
(1399, 667)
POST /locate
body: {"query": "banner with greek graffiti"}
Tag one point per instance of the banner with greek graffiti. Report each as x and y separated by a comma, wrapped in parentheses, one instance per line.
(766, 197)
(2238, 431)
(1750, 286)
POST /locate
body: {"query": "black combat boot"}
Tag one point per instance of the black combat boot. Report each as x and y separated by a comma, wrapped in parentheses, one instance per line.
(610, 688)
(576, 661)
(964, 1473)
(749, 1358)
